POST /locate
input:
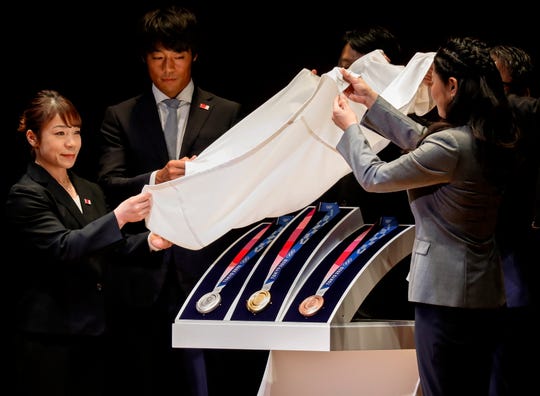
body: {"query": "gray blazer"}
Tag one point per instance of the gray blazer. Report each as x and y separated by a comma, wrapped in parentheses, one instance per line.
(455, 261)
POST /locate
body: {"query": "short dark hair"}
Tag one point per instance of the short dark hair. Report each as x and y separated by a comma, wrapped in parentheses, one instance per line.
(519, 66)
(372, 38)
(172, 27)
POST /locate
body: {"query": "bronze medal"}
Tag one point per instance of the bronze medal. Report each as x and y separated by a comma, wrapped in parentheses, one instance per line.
(208, 302)
(258, 301)
(311, 305)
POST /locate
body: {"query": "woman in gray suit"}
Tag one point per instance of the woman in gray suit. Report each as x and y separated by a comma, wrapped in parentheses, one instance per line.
(454, 172)
(65, 238)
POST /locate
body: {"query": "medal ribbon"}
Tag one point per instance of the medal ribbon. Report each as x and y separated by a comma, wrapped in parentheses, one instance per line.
(243, 256)
(287, 252)
(389, 224)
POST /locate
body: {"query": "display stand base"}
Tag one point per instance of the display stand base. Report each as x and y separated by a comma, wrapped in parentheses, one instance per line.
(341, 373)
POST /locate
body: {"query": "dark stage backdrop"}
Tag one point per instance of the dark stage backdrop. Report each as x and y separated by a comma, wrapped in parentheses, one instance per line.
(87, 51)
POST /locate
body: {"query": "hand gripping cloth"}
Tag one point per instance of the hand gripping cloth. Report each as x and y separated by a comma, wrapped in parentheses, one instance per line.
(278, 159)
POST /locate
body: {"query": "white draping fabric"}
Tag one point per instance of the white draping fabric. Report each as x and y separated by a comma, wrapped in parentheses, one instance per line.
(278, 159)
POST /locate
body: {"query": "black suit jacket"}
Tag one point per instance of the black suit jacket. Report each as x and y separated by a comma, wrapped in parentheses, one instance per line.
(520, 207)
(521, 200)
(133, 144)
(132, 147)
(62, 254)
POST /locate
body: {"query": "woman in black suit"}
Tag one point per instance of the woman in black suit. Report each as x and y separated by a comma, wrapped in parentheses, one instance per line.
(65, 238)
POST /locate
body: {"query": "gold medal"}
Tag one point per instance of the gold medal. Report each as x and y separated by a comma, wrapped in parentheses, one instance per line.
(258, 301)
(311, 305)
(208, 302)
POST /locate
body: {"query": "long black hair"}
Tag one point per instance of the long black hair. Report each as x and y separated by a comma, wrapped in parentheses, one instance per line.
(480, 102)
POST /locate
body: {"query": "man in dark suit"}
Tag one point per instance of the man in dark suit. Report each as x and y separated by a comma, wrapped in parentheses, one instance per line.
(135, 152)
(517, 240)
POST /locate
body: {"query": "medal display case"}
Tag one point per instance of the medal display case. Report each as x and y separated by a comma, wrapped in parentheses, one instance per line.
(299, 286)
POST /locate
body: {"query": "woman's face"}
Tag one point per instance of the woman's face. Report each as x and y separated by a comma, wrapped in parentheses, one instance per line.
(58, 145)
(442, 92)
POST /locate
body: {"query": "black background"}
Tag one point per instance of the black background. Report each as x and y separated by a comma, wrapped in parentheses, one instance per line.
(86, 50)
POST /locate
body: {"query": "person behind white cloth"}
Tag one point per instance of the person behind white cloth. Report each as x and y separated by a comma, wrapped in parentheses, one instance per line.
(279, 158)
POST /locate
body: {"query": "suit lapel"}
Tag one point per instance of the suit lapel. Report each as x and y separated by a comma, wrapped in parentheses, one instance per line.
(200, 109)
(149, 130)
(148, 127)
(91, 204)
(61, 196)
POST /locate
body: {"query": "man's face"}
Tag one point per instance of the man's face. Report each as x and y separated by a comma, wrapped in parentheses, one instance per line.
(170, 71)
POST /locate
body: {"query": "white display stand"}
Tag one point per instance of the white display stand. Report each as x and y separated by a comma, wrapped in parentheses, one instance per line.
(328, 353)
(341, 373)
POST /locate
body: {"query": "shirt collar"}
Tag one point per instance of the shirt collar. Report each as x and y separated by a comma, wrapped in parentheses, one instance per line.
(186, 94)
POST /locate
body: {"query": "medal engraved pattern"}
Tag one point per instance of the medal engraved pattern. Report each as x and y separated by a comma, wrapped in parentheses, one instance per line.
(311, 305)
(258, 301)
(208, 302)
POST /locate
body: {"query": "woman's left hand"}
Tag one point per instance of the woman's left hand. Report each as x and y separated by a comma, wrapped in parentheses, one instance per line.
(342, 113)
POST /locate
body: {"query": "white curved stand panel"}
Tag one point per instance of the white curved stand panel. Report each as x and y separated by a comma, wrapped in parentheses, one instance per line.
(329, 352)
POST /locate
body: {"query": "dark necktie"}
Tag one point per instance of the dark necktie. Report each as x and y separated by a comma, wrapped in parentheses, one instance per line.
(171, 126)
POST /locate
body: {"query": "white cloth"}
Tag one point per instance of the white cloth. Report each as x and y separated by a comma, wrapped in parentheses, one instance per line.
(277, 160)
